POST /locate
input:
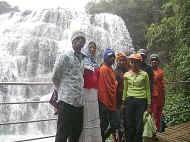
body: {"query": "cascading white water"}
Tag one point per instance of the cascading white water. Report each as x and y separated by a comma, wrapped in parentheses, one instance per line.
(29, 44)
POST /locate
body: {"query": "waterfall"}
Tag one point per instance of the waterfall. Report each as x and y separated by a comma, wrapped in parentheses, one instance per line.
(29, 43)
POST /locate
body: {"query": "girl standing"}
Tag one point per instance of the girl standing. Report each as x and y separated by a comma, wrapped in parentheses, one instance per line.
(136, 96)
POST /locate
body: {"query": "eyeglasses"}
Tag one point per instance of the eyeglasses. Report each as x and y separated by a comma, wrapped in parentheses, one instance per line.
(121, 61)
(134, 62)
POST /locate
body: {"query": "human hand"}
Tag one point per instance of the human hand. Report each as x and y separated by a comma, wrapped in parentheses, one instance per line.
(149, 109)
(122, 107)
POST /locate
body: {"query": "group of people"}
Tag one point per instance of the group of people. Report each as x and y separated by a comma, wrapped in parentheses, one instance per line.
(96, 101)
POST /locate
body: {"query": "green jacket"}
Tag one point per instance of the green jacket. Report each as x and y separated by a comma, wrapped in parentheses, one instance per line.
(137, 85)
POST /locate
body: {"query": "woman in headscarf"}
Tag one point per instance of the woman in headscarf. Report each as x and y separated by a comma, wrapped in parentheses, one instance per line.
(91, 125)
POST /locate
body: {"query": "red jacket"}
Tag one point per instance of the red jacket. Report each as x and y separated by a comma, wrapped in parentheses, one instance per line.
(158, 87)
(107, 85)
(91, 78)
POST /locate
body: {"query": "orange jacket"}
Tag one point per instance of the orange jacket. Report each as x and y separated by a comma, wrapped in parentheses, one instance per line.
(107, 85)
(158, 87)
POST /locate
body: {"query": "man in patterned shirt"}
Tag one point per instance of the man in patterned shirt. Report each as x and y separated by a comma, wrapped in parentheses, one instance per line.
(68, 81)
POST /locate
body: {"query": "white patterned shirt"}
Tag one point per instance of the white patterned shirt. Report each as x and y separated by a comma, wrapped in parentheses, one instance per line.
(68, 73)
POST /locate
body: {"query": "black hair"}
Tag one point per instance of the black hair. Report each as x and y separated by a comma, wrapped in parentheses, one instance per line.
(92, 42)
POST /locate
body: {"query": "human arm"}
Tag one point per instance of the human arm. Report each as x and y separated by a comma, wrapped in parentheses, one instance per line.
(162, 88)
(151, 78)
(109, 83)
(147, 90)
(58, 71)
(125, 88)
(88, 65)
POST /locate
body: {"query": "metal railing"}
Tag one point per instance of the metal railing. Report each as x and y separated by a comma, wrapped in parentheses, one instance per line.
(176, 82)
(27, 102)
(31, 121)
(177, 113)
(53, 119)
(26, 83)
(38, 138)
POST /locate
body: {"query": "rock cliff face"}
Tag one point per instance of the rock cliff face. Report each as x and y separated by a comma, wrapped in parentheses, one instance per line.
(5, 7)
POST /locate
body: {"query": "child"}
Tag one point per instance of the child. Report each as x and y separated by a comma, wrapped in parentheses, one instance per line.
(150, 129)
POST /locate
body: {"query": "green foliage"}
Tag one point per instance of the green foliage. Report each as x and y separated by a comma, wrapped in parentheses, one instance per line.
(172, 36)
(170, 8)
(159, 35)
(182, 63)
(177, 103)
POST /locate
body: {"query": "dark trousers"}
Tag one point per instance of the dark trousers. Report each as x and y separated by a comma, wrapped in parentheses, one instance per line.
(134, 109)
(109, 121)
(70, 122)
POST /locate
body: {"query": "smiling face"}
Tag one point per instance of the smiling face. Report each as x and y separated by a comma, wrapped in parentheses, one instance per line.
(78, 44)
(135, 64)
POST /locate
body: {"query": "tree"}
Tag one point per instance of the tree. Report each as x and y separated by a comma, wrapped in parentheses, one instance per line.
(171, 35)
